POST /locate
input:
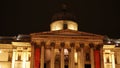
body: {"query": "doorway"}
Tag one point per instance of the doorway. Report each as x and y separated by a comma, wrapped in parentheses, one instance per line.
(66, 66)
(87, 65)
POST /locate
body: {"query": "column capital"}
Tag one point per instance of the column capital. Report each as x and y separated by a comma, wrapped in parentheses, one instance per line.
(72, 44)
(52, 44)
(99, 46)
(33, 43)
(91, 45)
(62, 44)
(81, 45)
(78, 49)
(43, 43)
(69, 50)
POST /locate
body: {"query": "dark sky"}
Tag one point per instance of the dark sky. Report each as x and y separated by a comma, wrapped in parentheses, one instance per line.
(28, 16)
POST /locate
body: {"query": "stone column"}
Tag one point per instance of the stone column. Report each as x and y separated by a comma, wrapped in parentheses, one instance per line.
(52, 60)
(92, 55)
(79, 58)
(62, 55)
(69, 65)
(82, 56)
(13, 58)
(72, 55)
(32, 55)
(42, 55)
(113, 59)
(24, 58)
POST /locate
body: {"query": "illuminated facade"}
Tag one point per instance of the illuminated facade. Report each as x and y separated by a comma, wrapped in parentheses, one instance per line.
(62, 47)
(15, 52)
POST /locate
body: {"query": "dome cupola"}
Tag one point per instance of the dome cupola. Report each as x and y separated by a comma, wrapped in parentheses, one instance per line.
(64, 20)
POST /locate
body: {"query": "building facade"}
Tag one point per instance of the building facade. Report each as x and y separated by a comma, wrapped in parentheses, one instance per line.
(61, 47)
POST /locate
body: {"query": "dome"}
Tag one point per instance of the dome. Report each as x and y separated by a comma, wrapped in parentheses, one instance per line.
(64, 16)
(64, 20)
(64, 24)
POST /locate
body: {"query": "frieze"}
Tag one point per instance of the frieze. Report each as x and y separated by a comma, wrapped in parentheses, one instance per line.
(6, 46)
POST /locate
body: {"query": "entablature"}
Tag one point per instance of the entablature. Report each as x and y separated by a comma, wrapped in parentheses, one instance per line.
(66, 41)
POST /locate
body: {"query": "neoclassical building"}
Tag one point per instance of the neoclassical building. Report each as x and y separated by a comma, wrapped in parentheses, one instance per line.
(64, 46)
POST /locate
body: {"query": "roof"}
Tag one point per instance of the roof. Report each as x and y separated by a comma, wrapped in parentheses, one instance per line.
(67, 32)
(64, 16)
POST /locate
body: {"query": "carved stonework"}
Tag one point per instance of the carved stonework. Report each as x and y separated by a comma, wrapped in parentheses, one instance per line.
(52, 44)
(78, 49)
(82, 45)
(74, 41)
(99, 46)
(62, 44)
(72, 44)
(43, 43)
(91, 45)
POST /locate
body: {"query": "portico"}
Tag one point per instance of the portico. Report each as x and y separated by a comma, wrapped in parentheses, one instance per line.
(53, 45)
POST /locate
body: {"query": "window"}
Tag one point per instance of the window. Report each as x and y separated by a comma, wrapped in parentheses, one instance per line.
(65, 26)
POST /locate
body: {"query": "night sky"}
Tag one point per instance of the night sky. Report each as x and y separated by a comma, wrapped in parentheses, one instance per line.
(29, 16)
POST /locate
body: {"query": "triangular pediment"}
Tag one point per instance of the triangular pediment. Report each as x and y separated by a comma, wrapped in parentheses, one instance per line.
(67, 33)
